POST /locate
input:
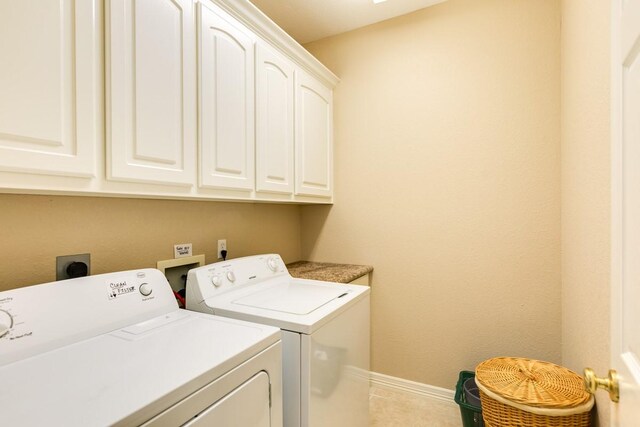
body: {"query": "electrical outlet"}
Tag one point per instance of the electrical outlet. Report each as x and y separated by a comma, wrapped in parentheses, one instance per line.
(70, 266)
(222, 246)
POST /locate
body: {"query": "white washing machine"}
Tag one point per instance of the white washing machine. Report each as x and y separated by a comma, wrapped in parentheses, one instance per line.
(114, 349)
(325, 333)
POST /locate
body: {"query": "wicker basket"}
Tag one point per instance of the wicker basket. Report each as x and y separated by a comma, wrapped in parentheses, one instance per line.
(531, 393)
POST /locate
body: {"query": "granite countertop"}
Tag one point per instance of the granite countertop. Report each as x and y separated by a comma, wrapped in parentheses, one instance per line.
(328, 272)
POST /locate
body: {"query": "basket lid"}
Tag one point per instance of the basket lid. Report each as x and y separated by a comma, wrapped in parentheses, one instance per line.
(532, 382)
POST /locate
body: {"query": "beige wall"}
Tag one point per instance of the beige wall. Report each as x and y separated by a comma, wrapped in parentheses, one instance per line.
(447, 125)
(125, 234)
(586, 188)
(448, 182)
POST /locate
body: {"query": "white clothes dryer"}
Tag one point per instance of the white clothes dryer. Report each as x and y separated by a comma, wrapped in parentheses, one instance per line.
(114, 349)
(325, 333)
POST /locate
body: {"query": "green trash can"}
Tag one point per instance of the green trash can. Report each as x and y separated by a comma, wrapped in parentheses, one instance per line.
(471, 414)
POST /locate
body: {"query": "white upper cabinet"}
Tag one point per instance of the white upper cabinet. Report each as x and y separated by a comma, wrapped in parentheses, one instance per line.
(50, 87)
(226, 77)
(274, 121)
(185, 99)
(151, 119)
(314, 137)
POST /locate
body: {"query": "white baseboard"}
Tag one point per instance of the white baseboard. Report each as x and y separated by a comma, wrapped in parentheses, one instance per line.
(411, 387)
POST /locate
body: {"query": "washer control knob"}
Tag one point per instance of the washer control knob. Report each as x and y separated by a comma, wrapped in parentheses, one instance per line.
(231, 276)
(216, 280)
(272, 263)
(6, 323)
(145, 289)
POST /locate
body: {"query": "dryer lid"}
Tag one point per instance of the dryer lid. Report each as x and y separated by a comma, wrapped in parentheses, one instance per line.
(292, 298)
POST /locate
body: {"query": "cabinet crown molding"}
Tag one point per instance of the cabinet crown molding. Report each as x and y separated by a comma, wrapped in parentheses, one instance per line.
(261, 24)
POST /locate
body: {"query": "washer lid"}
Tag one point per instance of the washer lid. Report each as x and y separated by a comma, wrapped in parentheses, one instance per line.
(293, 298)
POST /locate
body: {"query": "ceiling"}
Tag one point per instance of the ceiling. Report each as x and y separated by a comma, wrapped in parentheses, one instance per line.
(310, 20)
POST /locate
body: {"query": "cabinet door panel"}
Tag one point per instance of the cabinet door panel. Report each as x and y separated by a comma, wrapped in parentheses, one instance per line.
(314, 137)
(274, 121)
(49, 87)
(226, 102)
(151, 129)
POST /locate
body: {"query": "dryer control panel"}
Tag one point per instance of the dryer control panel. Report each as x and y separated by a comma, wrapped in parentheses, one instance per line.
(216, 279)
(43, 317)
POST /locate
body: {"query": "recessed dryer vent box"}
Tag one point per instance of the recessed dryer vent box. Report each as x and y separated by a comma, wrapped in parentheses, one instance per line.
(70, 266)
(175, 270)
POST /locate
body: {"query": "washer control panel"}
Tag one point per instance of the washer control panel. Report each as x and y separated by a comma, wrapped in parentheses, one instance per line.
(43, 317)
(216, 279)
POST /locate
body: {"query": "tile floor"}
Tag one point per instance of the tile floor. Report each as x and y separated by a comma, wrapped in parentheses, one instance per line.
(395, 408)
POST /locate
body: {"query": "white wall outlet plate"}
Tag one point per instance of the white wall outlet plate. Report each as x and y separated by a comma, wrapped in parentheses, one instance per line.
(183, 250)
(222, 246)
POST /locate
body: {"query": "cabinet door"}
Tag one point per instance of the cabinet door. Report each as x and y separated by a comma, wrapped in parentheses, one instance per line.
(274, 121)
(314, 137)
(151, 118)
(226, 61)
(50, 87)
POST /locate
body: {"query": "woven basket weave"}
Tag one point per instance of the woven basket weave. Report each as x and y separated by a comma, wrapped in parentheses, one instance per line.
(532, 393)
